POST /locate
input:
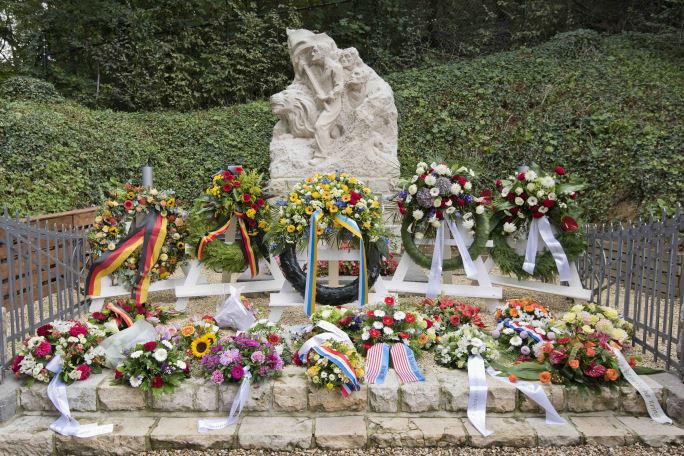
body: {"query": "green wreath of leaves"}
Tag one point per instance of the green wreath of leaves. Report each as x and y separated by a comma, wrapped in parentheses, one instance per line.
(479, 243)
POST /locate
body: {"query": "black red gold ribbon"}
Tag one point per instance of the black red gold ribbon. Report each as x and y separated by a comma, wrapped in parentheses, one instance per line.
(120, 313)
(150, 235)
(245, 245)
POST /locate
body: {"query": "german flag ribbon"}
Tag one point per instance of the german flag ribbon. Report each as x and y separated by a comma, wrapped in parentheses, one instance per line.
(150, 235)
(312, 270)
(245, 244)
(120, 313)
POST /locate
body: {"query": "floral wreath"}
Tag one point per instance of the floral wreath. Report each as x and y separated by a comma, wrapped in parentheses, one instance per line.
(235, 195)
(533, 194)
(327, 196)
(119, 213)
(435, 195)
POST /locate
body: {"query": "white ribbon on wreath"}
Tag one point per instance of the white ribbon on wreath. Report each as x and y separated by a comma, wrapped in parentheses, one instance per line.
(541, 227)
(435, 277)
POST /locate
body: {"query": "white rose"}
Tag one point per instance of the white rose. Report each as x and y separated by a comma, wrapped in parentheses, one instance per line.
(399, 315)
(412, 189)
(418, 214)
(519, 201)
(530, 187)
(468, 224)
(420, 170)
(518, 190)
(422, 165)
(532, 201)
(430, 180)
(434, 191)
(450, 210)
(437, 202)
(540, 194)
(365, 336)
(509, 227)
(468, 186)
(387, 330)
(455, 189)
(543, 210)
(136, 354)
(479, 209)
(552, 196)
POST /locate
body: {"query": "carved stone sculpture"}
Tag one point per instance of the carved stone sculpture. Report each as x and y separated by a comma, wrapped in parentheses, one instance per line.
(337, 114)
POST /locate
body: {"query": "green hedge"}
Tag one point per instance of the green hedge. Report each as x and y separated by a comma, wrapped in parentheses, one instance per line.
(609, 109)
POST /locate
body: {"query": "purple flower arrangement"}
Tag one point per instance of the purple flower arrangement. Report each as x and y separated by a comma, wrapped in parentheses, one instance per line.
(233, 356)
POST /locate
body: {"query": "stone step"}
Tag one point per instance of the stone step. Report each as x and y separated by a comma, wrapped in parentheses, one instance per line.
(133, 433)
(444, 393)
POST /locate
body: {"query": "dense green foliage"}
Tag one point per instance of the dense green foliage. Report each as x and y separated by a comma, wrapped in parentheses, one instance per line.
(609, 109)
(143, 55)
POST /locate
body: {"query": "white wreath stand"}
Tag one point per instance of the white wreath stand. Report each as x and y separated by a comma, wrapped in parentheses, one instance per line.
(195, 284)
(484, 289)
(574, 289)
(287, 296)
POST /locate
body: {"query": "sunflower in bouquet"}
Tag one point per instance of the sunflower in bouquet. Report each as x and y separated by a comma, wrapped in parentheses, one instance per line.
(198, 336)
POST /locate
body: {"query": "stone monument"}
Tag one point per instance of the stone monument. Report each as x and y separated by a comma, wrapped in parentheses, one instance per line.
(337, 114)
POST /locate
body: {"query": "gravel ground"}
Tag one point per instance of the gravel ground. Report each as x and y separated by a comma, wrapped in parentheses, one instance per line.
(582, 450)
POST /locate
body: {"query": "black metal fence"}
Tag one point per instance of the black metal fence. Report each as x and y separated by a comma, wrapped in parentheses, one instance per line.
(40, 267)
(637, 269)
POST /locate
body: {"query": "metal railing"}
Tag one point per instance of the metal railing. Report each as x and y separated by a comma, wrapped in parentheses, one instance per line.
(40, 268)
(637, 268)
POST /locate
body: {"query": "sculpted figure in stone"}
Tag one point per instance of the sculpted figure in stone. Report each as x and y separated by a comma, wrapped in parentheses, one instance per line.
(337, 114)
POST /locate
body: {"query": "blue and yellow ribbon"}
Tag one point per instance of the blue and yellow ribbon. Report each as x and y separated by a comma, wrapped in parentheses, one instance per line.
(312, 271)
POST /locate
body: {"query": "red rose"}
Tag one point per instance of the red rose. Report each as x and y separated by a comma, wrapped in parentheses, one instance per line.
(403, 335)
(236, 183)
(559, 170)
(84, 369)
(227, 188)
(128, 205)
(455, 320)
(387, 320)
(149, 346)
(370, 313)
(422, 176)
(78, 329)
(569, 224)
(367, 346)
(238, 169)
(410, 318)
(537, 215)
(461, 181)
(157, 381)
(439, 215)
(510, 197)
(261, 202)
(295, 359)
(429, 323)
(16, 362)
(45, 330)
(354, 198)
(273, 338)
(246, 198)
(99, 316)
(374, 333)
(227, 175)
(461, 202)
(254, 206)
(548, 203)
(346, 321)
(521, 176)
(573, 195)
(402, 210)
(514, 210)
(389, 300)
(499, 183)
(252, 223)
(118, 374)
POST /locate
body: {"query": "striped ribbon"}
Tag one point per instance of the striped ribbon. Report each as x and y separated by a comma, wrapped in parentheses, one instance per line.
(341, 361)
(312, 271)
(150, 235)
(120, 313)
(529, 329)
(246, 244)
(403, 361)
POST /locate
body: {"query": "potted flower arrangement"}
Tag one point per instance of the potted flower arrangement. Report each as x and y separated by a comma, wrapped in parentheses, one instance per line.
(118, 314)
(438, 194)
(156, 366)
(528, 195)
(324, 373)
(456, 346)
(233, 356)
(448, 314)
(77, 344)
(392, 323)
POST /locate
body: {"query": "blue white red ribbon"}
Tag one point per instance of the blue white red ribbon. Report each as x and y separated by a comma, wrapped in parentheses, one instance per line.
(312, 271)
(403, 361)
(529, 329)
(341, 361)
(333, 333)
